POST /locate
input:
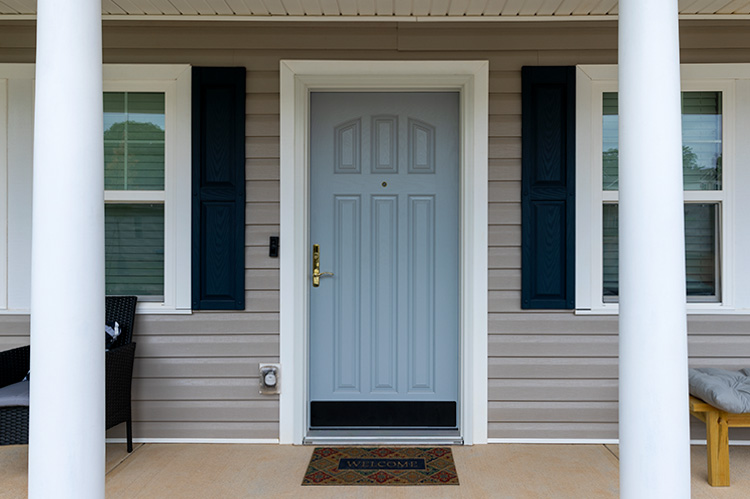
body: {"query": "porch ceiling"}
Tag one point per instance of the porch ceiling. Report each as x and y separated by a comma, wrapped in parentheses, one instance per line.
(379, 10)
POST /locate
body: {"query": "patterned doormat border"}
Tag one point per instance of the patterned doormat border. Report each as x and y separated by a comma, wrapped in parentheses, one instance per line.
(381, 466)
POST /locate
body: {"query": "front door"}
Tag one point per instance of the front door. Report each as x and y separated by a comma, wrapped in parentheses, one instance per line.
(384, 217)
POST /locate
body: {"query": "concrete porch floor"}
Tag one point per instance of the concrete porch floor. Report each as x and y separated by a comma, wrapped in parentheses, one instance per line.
(248, 471)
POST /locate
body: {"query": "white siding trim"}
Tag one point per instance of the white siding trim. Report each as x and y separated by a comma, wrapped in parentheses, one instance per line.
(389, 19)
(471, 78)
(16, 132)
(553, 441)
(175, 81)
(3, 194)
(20, 170)
(261, 441)
(582, 441)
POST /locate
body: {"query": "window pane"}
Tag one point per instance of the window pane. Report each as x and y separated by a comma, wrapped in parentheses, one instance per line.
(701, 140)
(133, 141)
(611, 252)
(134, 236)
(610, 141)
(701, 250)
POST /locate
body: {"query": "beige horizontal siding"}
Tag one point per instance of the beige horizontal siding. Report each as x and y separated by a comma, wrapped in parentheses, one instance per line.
(198, 367)
(553, 430)
(188, 411)
(552, 374)
(545, 412)
(197, 429)
(215, 389)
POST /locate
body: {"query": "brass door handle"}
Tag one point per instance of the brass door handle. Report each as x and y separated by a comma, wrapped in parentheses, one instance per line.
(317, 274)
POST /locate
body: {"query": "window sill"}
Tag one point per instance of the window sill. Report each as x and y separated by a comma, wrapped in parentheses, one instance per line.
(692, 309)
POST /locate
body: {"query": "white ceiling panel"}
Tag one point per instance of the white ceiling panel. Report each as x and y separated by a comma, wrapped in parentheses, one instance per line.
(475, 7)
(715, 6)
(257, 7)
(419, 10)
(365, 7)
(494, 7)
(530, 8)
(238, 7)
(421, 7)
(384, 7)
(108, 7)
(131, 6)
(513, 7)
(21, 6)
(203, 7)
(730, 7)
(549, 7)
(7, 9)
(402, 8)
(165, 7)
(439, 8)
(585, 6)
(294, 7)
(604, 7)
(220, 7)
(340, 8)
(697, 6)
(276, 7)
(185, 8)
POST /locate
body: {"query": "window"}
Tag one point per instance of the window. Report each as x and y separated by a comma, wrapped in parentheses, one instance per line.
(702, 151)
(134, 168)
(715, 102)
(147, 170)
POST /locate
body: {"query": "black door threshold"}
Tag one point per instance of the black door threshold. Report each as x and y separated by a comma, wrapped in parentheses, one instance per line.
(382, 415)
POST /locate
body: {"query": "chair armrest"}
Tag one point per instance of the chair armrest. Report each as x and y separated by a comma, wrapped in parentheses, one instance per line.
(14, 364)
(119, 375)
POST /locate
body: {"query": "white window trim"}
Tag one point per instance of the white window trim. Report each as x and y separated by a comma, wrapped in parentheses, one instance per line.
(175, 82)
(16, 148)
(16, 105)
(3, 192)
(298, 78)
(733, 80)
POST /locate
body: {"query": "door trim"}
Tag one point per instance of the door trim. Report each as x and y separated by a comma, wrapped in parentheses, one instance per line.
(297, 80)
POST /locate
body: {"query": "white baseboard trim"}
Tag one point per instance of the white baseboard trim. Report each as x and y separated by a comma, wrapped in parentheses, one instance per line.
(586, 441)
(548, 441)
(731, 442)
(264, 441)
(275, 441)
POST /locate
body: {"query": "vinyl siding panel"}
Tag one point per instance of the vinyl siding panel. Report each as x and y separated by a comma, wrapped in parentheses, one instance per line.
(552, 374)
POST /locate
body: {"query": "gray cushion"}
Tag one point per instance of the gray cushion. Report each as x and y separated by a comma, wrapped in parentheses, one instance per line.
(726, 390)
(15, 394)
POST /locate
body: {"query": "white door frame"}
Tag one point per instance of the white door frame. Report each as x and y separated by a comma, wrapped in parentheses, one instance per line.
(298, 79)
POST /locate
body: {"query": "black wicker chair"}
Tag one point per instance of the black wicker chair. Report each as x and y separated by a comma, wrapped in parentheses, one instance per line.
(14, 420)
(119, 360)
(14, 364)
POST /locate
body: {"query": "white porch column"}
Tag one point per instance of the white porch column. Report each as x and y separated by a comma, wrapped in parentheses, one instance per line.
(66, 439)
(654, 430)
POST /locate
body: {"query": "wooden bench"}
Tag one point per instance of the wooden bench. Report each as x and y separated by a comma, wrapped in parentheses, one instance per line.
(718, 423)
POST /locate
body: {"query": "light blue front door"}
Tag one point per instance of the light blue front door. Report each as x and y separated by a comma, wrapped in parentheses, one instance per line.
(384, 213)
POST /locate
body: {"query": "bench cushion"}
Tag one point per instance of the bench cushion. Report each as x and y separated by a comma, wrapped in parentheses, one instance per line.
(15, 394)
(725, 390)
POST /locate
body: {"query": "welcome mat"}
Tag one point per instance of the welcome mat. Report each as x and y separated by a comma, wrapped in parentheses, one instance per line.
(381, 466)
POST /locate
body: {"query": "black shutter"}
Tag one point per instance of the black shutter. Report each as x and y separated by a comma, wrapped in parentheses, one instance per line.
(548, 188)
(218, 189)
